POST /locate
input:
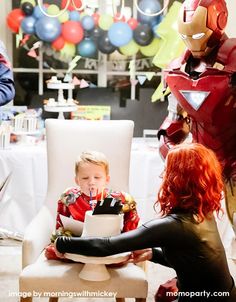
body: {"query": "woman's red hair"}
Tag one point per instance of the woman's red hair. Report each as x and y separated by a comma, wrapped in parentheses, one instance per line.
(192, 181)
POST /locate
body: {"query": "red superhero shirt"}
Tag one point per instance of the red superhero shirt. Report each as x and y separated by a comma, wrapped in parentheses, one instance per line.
(74, 204)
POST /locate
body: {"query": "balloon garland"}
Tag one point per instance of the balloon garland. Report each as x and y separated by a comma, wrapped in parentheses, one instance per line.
(70, 31)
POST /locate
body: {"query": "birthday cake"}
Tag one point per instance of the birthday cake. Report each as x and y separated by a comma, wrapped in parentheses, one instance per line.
(105, 220)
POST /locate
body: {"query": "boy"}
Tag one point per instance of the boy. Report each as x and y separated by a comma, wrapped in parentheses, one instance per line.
(92, 176)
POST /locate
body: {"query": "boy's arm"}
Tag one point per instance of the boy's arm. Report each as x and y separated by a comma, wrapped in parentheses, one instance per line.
(63, 209)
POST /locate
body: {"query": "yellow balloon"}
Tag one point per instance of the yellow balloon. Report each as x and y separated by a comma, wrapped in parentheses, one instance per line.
(29, 1)
(129, 49)
(171, 44)
(151, 49)
(68, 50)
(53, 9)
(64, 17)
(105, 21)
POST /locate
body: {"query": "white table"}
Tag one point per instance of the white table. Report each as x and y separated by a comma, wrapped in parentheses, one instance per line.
(27, 188)
(146, 167)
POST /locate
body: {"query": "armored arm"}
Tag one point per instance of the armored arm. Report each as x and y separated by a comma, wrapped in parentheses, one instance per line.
(175, 128)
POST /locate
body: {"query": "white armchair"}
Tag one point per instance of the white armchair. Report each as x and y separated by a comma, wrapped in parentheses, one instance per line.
(66, 139)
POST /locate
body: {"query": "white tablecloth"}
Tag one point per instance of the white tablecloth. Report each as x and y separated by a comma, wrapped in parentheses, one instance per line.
(27, 188)
(145, 169)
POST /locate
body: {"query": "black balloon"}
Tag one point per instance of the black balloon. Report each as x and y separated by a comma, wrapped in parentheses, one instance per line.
(104, 44)
(27, 8)
(143, 34)
(96, 33)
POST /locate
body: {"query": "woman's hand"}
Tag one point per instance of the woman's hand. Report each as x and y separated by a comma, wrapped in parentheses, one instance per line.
(58, 254)
(140, 255)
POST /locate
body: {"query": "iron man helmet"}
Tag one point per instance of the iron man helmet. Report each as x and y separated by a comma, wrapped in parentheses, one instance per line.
(201, 24)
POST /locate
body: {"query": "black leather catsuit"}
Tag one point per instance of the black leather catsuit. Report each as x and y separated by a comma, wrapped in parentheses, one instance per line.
(194, 250)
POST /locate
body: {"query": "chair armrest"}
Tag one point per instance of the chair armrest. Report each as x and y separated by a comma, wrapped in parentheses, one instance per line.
(37, 236)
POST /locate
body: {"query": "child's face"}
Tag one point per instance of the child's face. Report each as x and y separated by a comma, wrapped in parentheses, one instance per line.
(91, 178)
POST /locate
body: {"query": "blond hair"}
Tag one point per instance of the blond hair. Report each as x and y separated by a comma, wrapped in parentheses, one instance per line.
(94, 157)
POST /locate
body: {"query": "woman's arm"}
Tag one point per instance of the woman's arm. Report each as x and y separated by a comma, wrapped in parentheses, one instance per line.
(155, 233)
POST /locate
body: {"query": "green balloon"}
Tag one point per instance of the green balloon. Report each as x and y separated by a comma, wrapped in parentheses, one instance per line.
(105, 21)
(129, 49)
(53, 9)
(64, 17)
(68, 50)
(33, 2)
(151, 49)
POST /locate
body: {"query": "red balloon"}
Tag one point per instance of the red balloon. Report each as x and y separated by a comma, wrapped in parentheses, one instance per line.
(72, 32)
(58, 43)
(96, 17)
(14, 19)
(78, 4)
(133, 23)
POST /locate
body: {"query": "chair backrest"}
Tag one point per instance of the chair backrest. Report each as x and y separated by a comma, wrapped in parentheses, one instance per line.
(66, 139)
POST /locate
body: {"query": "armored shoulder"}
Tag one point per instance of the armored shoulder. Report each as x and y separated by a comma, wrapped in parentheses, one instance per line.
(226, 54)
(69, 196)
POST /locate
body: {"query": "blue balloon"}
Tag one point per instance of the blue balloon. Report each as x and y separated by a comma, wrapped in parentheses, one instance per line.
(28, 25)
(149, 7)
(47, 28)
(74, 15)
(37, 13)
(120, 34)
(87, 23)
(87, 48)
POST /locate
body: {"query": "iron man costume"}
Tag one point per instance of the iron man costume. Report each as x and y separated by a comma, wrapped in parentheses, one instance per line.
(203, 87)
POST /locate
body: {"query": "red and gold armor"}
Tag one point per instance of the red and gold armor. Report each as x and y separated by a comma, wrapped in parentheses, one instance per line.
(74, 204)
(203, 87)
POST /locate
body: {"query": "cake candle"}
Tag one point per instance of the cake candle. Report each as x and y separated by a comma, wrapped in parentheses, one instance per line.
(102, 197)
(91, 199)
